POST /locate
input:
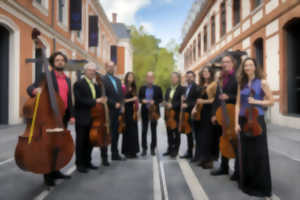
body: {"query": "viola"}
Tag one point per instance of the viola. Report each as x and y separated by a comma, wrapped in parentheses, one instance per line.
(153, 112)
(251, 127)
(170, 118)
(100, 131)
(46, 145)
(184, 125)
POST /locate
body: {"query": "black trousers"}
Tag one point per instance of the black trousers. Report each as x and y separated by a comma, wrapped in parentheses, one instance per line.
(114, 124)
(173, 140)
(84, 148)
(153, 124)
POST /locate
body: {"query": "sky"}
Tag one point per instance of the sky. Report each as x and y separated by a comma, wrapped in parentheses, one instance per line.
(162, 18)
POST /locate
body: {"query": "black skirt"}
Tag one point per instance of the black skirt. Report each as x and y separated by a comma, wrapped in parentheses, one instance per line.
(255, 176)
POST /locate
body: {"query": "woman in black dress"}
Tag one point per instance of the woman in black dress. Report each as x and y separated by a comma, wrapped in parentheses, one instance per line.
(254, 175)
(130, 145)
(204, 136)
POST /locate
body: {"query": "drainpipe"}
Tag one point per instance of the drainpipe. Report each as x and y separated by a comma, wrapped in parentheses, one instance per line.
(52, 22)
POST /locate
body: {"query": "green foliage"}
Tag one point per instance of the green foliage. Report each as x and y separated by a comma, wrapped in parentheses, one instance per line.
(148, 56)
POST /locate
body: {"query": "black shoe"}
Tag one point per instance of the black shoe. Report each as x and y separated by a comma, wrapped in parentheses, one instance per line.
(144, 153)
(92, 167)
(174, 154)
(153, 152)
(105, 163)
(117, 157)
(187, 156)
(59, 175)
(219, 172)
(48, 181)
(167, 153)
(234, 177)
(82, 169)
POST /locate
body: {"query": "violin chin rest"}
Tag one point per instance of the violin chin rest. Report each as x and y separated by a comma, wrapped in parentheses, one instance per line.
(54, 130)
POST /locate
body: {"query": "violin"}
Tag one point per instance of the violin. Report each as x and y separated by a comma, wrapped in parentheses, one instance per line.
(135, 110)
(100, 131)
(153, 112)
(170, 118)
(197, 115)
(251, 127)
(46, 145)
(226, 118)
(184, 125)
(121, 120)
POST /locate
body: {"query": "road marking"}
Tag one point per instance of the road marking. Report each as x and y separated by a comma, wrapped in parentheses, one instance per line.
(46, 192)
(192, 181)
(157, 194)
(284, 154)
(7, 161)
(163, 176)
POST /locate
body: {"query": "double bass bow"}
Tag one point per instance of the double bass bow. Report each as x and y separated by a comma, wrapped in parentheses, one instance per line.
(46, 145)
(100, 131)
(225, 116)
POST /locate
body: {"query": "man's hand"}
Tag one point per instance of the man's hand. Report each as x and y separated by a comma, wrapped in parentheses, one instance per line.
(145, 101)
(118, 105)
(151, 102)
(223, 97)
(213, 119)
(72, 120)
(101, 100)
(169, 105)
(184, 105)
(36, 91)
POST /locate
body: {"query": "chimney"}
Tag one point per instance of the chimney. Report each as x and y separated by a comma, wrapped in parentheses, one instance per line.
(114, 18)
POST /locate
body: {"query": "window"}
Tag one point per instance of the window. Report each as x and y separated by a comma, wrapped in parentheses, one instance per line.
(213, 30)
(205, 38)
(39, 1)
(236, 12)
(199, 45)
(62, 11)
(61, 5)
(256, 3)
(194, 50)
(223, 18)
(41, 5)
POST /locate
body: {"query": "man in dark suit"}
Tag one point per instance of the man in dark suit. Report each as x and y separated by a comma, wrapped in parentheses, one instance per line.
(62, 86)
(229, 86)
(115, 100)
(87, 95)
(149, 94)
(173, 102)
(190, 97)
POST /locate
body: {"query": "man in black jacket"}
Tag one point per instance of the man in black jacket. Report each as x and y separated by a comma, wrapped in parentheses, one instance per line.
(62, 86)
(87, 95)
(149, 94)
(115, 101)
(229, 86)
(190, 96)
(173, 102)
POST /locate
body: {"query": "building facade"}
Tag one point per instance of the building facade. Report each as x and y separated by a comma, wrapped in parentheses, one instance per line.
(268, 30)
(51, 17)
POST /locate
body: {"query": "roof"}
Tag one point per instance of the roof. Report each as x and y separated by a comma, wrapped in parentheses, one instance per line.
(121, 30)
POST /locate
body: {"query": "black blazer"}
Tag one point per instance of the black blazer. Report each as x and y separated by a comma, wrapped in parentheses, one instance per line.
(157, 97)
(176, 101)
(113, 96)
(192, 97)
(84, 102)
(69, 111)
(230, 89)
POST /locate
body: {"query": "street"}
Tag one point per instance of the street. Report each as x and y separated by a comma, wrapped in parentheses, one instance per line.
(149, 178)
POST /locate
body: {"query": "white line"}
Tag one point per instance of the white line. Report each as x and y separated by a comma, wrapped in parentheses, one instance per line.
(284, 154)
(192, 181)
(163, 176)
(157, 195)
(6, 161)
(46, 192)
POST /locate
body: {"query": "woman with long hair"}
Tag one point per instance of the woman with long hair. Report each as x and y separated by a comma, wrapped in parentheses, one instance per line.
(130, 145)
(204, 138)
(253, 93)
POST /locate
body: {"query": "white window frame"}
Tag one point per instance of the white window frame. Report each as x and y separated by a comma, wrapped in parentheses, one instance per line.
(43, 7)
(65, 24)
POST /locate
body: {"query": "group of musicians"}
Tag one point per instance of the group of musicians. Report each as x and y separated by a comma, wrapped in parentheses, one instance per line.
(195, 105)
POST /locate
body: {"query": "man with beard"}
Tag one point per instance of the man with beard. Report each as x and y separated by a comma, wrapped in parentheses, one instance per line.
(62, 86)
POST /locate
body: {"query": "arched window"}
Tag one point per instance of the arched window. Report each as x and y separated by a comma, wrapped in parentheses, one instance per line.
(259, 51)
(236, 11)
(205, 38)
(223, 18)
(213, 30)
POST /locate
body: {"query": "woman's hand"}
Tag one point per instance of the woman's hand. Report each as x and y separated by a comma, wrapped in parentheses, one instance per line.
(251, 100)
(237, 129)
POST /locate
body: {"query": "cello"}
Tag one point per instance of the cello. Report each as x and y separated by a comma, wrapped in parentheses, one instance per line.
(46, 145)
(100, 131)
(225, 116)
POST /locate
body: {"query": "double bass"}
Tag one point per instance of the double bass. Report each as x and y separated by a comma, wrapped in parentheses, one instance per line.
(100, 131)
(226, 118)
(46, 145)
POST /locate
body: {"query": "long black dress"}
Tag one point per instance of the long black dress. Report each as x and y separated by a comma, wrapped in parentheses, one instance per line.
(206, 133)
(130, 145)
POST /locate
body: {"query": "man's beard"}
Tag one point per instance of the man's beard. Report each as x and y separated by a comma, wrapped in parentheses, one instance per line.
(60, 69)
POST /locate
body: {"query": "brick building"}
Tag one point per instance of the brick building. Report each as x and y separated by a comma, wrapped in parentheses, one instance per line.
(268, 30)
(58, 33)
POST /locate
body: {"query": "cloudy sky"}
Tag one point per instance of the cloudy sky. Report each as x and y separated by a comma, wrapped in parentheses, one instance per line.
(162, 18)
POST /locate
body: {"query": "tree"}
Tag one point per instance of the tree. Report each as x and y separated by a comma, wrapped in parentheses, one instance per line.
(148, 56)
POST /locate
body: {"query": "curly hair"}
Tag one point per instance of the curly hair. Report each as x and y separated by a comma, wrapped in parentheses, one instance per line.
(54, 55)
